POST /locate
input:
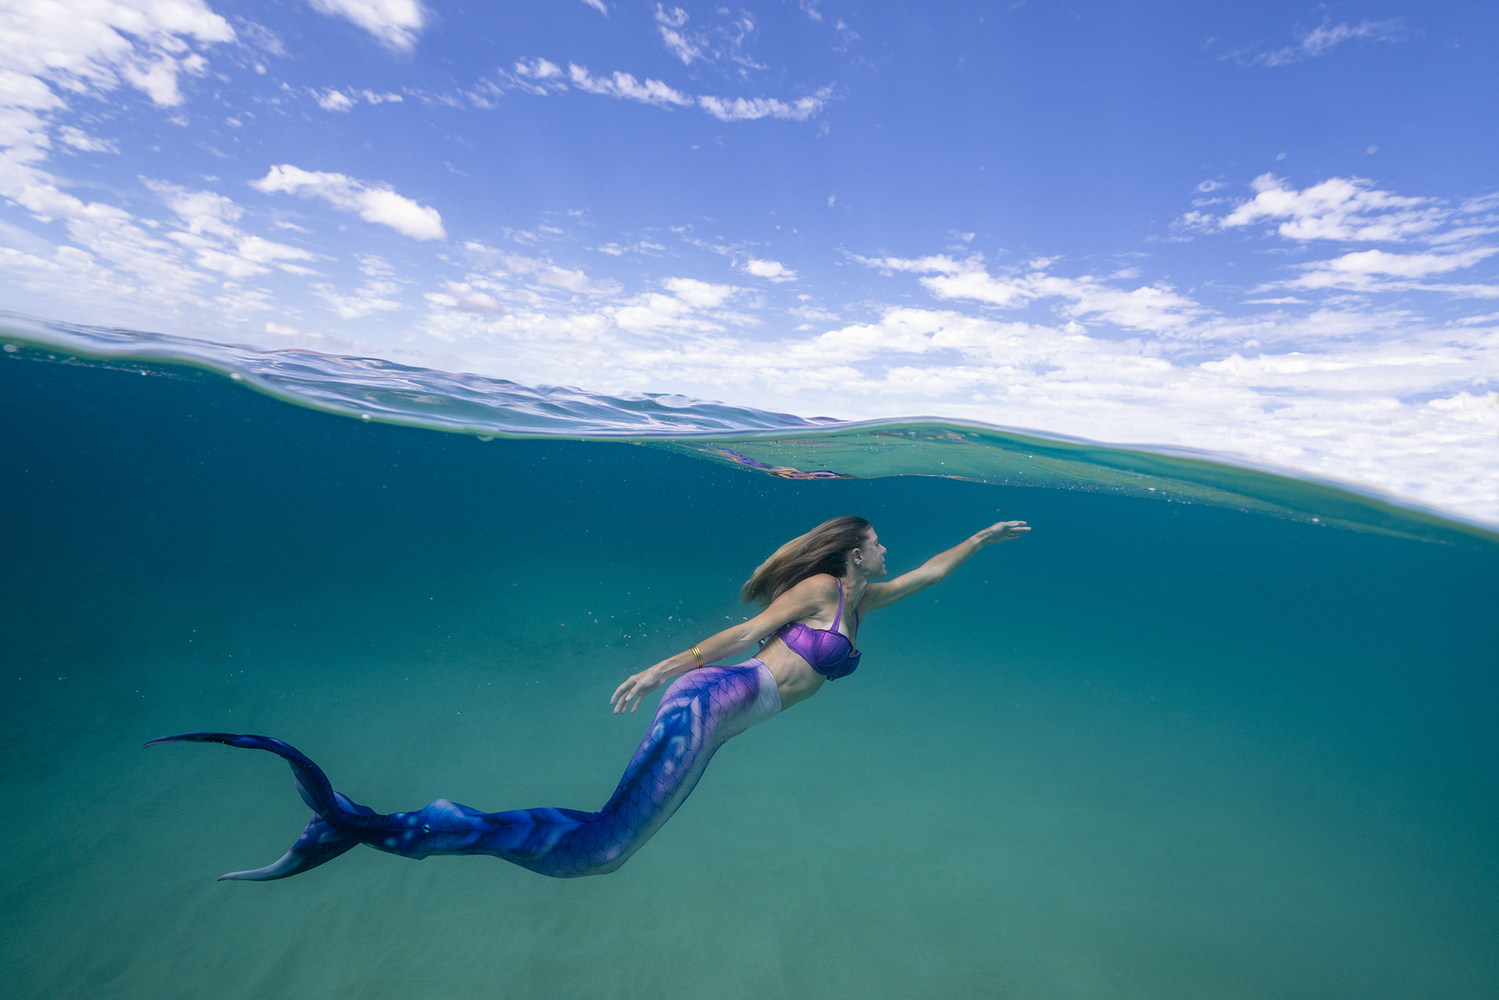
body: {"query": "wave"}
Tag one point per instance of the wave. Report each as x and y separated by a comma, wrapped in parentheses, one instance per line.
(776, 444)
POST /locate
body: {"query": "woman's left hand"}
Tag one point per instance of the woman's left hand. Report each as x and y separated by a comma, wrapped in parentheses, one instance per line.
(628, 694)
(1004, 531)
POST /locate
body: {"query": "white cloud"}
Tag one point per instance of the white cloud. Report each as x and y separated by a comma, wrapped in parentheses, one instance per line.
(1323, 39)
(538, 77)
(159, 268)
(548, 273)
(374, 202)
(81, 140)
(524, 295)
(741, 109)
(263, 251)
(462, 296)
(91, 48)
(939, 263)
(639, 246)
(282, 330)
(692, 309)
(540, 276)
(258, 35)
(210, 231)
(373, 296)
(623, 85)
(67, 50)
(725, 40)
(1156, 308)
(679, 43)
(541, 69)
(599, 6)
(1353, 210)
(674, 18)
(344, 100)
(335, 100)
(541, 77)
(1355, 270)
(1483, 203)
(394, 23)
(1342, 209)
(368, 299)
(1460, 234)
(972, 281)
(699, 294)
(772, 270)
(810, 314)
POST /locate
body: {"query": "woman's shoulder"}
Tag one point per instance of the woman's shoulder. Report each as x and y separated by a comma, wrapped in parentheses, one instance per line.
(817, 587)
(821, 583)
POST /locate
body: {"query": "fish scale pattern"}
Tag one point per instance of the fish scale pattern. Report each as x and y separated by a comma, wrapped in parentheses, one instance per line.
(698, 713)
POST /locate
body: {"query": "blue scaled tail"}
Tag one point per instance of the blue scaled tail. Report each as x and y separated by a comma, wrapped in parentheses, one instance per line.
(327, 835)
(699, 712)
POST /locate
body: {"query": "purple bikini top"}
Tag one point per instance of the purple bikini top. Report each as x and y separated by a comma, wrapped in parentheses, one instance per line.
(826, 650)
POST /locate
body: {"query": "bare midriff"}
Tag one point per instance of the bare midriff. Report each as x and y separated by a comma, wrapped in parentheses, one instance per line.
(795, 679)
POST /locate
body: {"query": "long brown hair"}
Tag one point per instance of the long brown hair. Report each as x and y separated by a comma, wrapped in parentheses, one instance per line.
(824, 549)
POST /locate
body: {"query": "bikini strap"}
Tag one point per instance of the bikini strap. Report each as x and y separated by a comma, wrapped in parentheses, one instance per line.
(839, 616)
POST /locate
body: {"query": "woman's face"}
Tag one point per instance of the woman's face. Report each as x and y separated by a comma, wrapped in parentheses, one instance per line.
(870, 555)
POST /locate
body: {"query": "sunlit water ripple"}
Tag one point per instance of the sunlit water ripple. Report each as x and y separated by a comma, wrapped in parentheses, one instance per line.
(777, 444)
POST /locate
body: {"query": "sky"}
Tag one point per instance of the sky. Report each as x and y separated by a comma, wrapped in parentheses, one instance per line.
(1266, 229)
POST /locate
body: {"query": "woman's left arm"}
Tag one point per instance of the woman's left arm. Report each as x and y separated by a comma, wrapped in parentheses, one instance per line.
(936, 569)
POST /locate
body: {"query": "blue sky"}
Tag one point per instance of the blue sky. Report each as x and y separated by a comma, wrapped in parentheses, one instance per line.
(1270, 229)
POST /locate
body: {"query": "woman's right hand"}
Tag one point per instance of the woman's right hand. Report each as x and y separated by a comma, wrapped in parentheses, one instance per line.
(628, 694)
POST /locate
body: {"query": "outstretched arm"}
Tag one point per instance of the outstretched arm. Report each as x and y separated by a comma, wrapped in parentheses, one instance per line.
(799, 602)
(936, 569)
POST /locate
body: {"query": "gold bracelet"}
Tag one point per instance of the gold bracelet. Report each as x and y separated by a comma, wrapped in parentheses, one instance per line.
(697, 654)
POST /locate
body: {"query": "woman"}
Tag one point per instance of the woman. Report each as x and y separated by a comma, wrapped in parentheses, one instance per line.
(817, 587)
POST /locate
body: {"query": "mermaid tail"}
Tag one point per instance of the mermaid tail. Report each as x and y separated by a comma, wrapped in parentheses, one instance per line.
(318, 844)
(699, 712)
(320, 841)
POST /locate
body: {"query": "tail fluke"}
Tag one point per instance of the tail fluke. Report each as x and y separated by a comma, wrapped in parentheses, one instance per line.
(334, 830)
(318, 845)
(312, 783)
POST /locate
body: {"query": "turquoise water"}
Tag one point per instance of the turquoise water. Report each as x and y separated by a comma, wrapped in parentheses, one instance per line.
(1204, 747)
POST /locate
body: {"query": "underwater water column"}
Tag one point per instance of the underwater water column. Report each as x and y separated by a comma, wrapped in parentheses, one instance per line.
(1153, 749)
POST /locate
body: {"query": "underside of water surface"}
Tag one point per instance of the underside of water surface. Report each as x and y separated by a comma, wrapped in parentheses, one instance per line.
(777, 444)
(1180, 745)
